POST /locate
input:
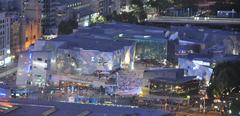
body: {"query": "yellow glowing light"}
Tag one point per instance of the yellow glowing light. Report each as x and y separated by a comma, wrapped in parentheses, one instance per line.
(127, 57)
(141, 93)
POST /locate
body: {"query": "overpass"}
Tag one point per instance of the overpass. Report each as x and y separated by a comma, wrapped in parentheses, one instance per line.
(8, 72)
(194, 20)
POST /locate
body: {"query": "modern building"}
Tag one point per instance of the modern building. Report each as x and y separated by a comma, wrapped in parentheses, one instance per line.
(150, 41)
(101, 49)
(170, 82)
(74, 56)
(49, 13)
(5, 30)
(83, 11)
(201, 65)
(180, 48)
(33, 69)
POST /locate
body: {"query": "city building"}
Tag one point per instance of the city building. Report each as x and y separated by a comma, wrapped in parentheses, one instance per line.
(72, 56)
(16, 43)
(31, 21)
(101, 49)
(10, 5)
(49, 13)
(5, 30)
(212, 41)
(105, 7)
(150, 41)
(33, 69)
(169, 85)
(202, 65)
(178, 48)
(83, 11)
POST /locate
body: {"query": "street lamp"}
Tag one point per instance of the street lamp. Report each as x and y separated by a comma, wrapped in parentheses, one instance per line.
(188, 9)
(188, 98)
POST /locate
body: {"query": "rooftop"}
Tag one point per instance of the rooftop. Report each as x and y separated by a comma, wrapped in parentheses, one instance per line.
(175, 81)
(123, 31)
(104, 45)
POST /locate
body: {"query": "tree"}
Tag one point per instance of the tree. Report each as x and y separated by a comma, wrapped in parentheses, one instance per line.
(66, 27)
(98, 19)
(185, 3)
(159, 5)
(225, 79)
(138, 10)
(126, 17)
(235, 108)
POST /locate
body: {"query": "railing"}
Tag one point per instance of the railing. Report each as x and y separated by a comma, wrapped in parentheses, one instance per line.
(8, 72)
(207, 20)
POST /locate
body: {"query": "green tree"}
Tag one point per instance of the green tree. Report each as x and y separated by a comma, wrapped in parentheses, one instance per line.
(138, 10)
(235, 107)
(225, 79)
(185, 3)
(66, 27)
(160, 5)
(98, 19)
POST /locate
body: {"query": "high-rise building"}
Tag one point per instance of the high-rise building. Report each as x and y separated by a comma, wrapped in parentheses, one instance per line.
(4, 39)
(106, 7)
(16, 43)
(31, 21)
(10, 5)
(49, 24)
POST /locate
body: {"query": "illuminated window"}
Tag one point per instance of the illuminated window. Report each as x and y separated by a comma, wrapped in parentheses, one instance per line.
(92, 59)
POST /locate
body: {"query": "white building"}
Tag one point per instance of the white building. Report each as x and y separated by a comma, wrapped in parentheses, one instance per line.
(5, 52)
(72, 56)
(33, 69)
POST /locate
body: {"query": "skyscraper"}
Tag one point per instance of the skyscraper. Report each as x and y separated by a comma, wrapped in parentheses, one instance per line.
(49, 24)
(31, 21)
(4, 39)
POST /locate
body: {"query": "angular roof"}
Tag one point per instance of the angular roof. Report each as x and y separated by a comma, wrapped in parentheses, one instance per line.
(176, 81)
(124, 31)
(104, 45)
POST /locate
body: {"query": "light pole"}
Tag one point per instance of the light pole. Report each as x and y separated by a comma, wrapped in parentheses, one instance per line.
(188, 98)
(188, 9)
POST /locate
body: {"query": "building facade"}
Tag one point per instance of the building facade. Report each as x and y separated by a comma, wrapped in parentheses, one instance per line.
(16, 43)
(4, 39)
(31, 21)
(72, 57)
(49, 24)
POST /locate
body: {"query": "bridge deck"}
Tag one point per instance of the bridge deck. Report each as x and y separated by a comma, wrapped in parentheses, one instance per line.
(194, 20)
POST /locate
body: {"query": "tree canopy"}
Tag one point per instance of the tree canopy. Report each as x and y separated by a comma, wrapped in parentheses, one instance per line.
(66, 27)
(138, 10)
(225, 79)
(126, 17)
(226, 5)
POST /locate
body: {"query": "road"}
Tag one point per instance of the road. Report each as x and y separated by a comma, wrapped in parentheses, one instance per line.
(194, 20)
(30, 107)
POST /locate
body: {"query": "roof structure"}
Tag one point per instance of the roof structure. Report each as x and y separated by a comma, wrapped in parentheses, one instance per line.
(175, 81)
(124, 31)
(104, 45)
